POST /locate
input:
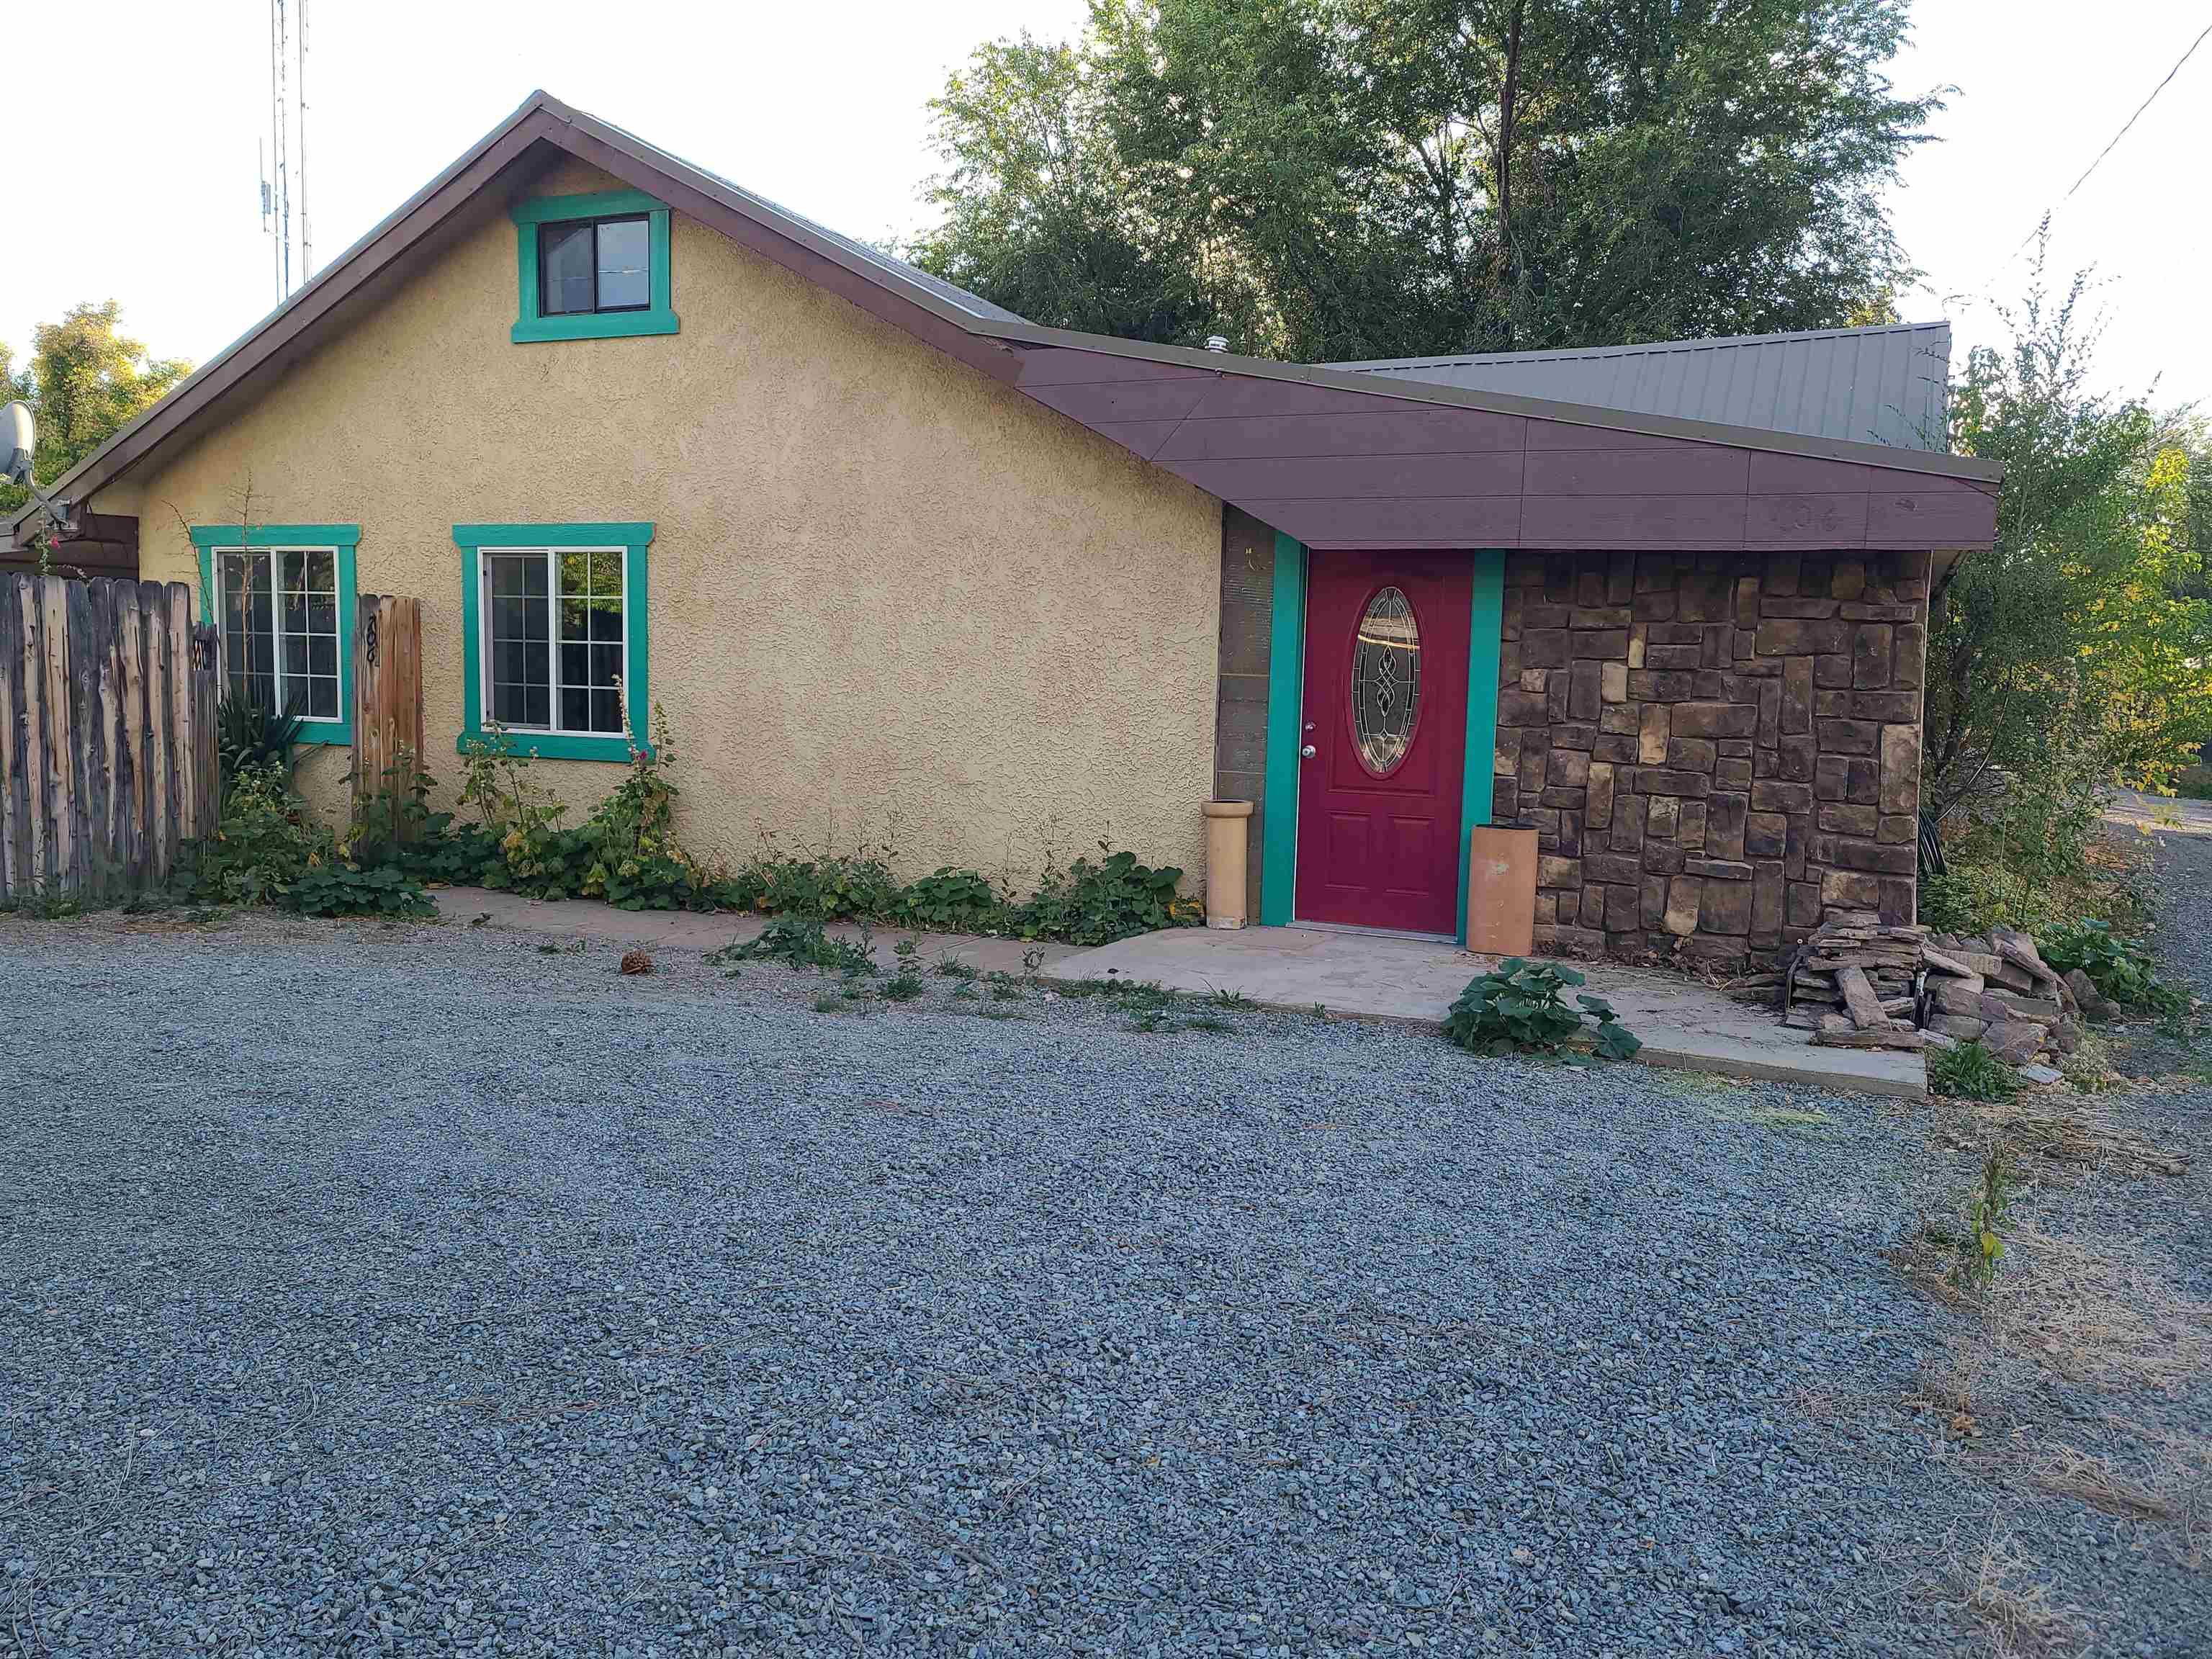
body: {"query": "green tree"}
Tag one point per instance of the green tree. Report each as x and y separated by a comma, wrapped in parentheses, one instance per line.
(2078, 650)
(84, 381)
(1330, 179)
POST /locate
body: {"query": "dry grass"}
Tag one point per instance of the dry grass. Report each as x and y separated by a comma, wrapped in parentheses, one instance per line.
(2094, 1316)
(1997, 1587)
(2072, 1472)
(2067, 1130)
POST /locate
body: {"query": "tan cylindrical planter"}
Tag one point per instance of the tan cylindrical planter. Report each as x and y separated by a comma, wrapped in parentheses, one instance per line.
(1501, 891)
(1227, 831)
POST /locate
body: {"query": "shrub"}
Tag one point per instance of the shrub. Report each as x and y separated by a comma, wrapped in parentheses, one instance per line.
(266, 850)
(1095, 903)
(1970, 1072)
(341, 889)
(830, 887)
(1519, 1008)
(262, 845)
(950, 901)
(2119, 968)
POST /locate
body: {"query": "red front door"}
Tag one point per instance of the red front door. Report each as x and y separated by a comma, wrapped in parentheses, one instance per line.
(1383, 739)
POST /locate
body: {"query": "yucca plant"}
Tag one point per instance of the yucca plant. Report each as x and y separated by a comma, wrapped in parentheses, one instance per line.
(249, 736)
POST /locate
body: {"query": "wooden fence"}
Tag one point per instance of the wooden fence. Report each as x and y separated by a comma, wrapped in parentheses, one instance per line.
(107, 736)
(387, 716)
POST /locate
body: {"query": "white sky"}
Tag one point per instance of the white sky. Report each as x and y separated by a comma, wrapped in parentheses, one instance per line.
(152, 109)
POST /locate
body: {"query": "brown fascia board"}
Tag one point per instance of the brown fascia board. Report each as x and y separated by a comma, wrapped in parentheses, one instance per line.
(993, 345)
(1967, 468)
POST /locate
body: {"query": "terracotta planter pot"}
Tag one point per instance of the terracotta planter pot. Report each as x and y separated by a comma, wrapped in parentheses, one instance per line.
(1501, 891)
(1227, 831)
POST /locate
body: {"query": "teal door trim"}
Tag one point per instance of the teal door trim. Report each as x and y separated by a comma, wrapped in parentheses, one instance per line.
(1286, 672)
(1486, 631)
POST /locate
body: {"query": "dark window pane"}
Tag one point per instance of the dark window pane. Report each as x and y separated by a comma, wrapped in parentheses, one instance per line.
(575, 709)
(623, 283)
(564, 271)
(575, 668)
(323, 697)
(607, 621)
(322, 653)
(541, 704)
(606, 666)
(296, 657)
(575, 615)
(606, 712)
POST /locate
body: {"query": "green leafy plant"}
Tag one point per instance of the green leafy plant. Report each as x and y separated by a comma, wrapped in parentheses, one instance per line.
(800, 942)
(263, 844)
(341, 889)
(538, 857)
(951, 900)
(2120, 968)
(1982, 1246)
(1114, 897)
(251, 738)
(1970, 1072)
(1520, 1009)
(951, 966)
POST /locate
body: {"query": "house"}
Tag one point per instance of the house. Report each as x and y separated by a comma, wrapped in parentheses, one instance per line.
(897, 562)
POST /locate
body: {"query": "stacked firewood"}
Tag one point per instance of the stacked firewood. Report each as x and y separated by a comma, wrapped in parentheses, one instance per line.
(1855, 983)
(1859, 983)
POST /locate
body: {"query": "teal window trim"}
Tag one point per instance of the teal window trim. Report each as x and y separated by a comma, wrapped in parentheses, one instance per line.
(659, 318)
(1486, 635)
(637, 654)
(1286, 670)
(345, 539)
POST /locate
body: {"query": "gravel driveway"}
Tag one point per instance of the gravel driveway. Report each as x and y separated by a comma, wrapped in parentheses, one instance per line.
(425, 1289)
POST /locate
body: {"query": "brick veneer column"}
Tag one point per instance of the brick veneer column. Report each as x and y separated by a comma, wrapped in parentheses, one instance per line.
(1713, 749)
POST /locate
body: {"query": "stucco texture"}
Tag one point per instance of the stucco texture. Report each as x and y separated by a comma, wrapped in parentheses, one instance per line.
(890, 599)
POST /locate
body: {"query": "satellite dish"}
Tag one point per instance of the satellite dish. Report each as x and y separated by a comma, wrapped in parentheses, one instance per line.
(18, 438)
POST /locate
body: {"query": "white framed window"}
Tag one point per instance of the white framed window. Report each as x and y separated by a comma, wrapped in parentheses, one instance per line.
(556, 638)
(280, 617)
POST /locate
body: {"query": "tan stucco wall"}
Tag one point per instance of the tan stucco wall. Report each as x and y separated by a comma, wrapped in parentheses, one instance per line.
(890, 599)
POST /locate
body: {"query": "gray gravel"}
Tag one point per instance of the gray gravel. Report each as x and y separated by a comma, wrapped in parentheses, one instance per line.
(367, 1290)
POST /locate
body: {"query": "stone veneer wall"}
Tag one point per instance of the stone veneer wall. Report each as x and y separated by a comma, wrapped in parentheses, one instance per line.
(1715, 750)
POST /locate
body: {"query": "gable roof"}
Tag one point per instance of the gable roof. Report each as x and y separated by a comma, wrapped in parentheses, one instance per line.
(1389, 456)
(1884, 384)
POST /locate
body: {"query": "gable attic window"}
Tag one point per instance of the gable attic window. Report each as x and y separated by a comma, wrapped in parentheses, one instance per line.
(593, 267)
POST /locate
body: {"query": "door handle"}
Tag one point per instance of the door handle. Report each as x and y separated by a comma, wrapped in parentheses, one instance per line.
(1309, 752)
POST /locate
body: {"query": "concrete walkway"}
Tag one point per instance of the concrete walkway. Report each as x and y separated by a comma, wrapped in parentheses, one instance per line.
(1682, 1023)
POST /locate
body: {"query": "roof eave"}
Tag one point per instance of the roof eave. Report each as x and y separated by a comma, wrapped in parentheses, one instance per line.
(988, 343)
(1967, 467)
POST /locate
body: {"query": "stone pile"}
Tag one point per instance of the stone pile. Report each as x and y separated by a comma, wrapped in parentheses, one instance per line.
(1855, 983)
(1999, 992)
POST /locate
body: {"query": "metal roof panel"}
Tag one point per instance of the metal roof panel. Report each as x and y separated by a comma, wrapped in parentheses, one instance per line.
(1884, 384)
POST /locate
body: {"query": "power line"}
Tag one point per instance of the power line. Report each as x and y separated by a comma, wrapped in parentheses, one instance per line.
(2109, 146)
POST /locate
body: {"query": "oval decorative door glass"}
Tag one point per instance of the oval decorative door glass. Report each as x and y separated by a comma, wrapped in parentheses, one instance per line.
(1386, 682)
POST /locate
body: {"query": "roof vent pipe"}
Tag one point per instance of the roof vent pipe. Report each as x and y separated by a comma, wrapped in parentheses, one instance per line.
(1217, 343)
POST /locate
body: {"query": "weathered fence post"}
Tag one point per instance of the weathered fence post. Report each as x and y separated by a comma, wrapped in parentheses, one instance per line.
(387, 720)
(106, 734)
